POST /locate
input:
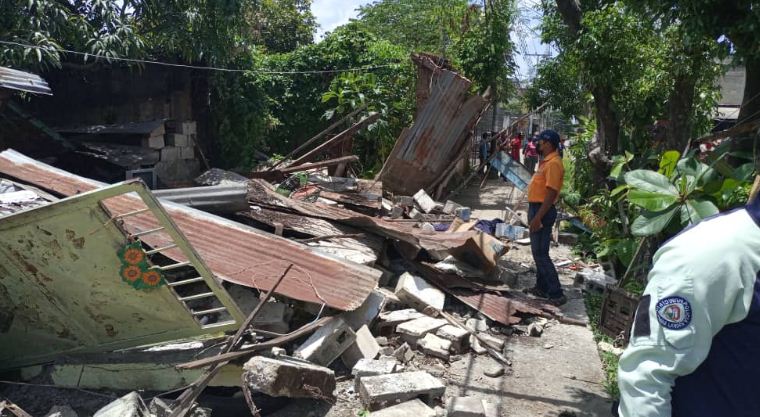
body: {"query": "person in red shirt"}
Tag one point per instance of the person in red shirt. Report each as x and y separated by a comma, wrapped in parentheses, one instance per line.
(515, 146)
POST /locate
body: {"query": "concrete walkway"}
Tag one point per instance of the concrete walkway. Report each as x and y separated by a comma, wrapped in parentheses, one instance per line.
(558, 372)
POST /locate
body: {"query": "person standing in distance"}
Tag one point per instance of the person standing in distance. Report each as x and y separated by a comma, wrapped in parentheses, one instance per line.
(543, 194)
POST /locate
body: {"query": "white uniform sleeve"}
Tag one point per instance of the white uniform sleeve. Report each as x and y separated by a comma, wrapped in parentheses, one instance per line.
(687, 301)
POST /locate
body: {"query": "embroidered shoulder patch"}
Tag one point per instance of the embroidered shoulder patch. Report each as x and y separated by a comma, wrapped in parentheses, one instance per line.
(674, 312)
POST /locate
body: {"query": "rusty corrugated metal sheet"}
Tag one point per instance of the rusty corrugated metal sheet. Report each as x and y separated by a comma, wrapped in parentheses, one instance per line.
(235, 252)
(503, 307)
(424, 151)
(12, 79)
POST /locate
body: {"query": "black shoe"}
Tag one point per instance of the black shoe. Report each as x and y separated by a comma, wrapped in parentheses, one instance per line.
(536, 292)
(558, 301)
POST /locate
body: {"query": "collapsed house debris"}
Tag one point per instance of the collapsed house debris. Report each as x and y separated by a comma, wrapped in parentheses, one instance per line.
(320, 277)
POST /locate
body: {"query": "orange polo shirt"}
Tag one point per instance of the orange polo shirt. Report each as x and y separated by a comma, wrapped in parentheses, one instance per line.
(551, 173)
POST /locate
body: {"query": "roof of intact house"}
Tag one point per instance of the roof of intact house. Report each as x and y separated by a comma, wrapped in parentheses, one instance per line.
(12, 79)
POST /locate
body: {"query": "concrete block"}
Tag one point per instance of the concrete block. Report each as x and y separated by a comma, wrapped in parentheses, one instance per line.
(450, 207)
(373, 367)
(413, 408)
(535, 329)
(382, 340)
(367, 312)
(399, 316)
(435, 346)
(403, 200)
(364, 347)
(130, 405)
(415, 214)
(424, 201)
(274, 316)
(61, 411)
(177, 139)
(170, 153)
(327, 343)
(478, 325)
(420, 327)
(417, 293)
(288, 377)
(492, 341)
(404, 353)
(187, 127)
(153, 142)
(458, 337)
(378, 390)
(463, 213)
(187, 153)
(466, 407)
(386, 351)
(476, 346)
(491, 409)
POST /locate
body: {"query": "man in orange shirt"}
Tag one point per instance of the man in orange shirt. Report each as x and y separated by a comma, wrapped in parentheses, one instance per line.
(543, 193)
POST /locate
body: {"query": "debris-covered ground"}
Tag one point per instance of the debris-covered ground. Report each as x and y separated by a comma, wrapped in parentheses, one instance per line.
(295, 292)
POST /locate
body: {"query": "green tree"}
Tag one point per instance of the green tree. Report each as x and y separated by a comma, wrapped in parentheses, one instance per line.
(283, 25)
(103, 28)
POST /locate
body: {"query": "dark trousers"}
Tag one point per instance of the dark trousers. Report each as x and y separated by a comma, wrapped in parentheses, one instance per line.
(547, 279)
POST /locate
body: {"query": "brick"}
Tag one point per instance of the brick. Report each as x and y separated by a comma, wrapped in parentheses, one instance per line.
(435, 346)
(404, 353)
(456, 335)
(327, 343)
(492, 341)
(364, 347)
(466, 407)
(412, 331)
(417, 293)
(286, 377)
(403, 200)
(424, 201)
(170, 153)
(450, 206)
(413, 408)
(378, 390)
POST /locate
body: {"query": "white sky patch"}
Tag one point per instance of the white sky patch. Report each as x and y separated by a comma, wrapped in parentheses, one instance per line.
(332, 13)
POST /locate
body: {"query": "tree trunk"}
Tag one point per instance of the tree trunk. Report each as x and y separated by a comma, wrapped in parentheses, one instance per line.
(751, 103)
(608, 125)
(680, 109)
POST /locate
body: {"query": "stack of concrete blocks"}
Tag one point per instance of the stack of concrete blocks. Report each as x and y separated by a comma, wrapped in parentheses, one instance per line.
(176, 144)
(179, 141)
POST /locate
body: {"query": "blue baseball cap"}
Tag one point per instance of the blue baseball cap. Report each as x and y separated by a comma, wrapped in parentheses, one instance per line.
(550, 136)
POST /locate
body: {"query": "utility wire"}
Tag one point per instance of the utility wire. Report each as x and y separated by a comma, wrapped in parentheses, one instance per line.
(198, 67)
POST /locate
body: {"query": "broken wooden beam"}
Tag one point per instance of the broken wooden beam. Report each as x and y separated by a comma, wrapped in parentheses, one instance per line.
(372, 118)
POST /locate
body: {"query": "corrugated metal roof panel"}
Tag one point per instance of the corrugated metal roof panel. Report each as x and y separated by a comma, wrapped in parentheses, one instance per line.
(23, 81)
(234, 252)
(424, 151)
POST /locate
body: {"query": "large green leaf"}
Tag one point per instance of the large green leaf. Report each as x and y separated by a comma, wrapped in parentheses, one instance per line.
(647, 180)
(744, 172)
(650, 223)
(699, 170)
(698, 210)
(651, 201)
(668, 162)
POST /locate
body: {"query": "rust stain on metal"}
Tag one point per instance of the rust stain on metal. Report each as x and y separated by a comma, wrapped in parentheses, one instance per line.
(441, 127)
(234, 252)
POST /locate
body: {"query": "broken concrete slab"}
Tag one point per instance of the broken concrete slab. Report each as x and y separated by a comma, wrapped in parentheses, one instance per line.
(435, 346)
(399, 316)
(386, 351)
(478, 325)
(415, 408)
(412, 331)
(289, 377)
(327, 343)
(466, 407)
(130, 405)
(450, 206)
(364, 347)
(404, 353)
(456, 335)
(535, 329)
(403, 200)
(476, 346)
(163, 408)
(417, 293)
(367, 312)
(378, 390)
(491, 409)
(382, 340)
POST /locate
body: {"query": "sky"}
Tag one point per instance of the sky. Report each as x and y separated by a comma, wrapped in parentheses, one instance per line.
(333, 13)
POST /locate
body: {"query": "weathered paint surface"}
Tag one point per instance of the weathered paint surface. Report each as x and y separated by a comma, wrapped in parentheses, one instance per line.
(234, 252)
(61, 291)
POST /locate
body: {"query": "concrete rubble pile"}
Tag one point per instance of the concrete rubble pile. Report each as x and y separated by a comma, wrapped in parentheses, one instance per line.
(280, 287)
